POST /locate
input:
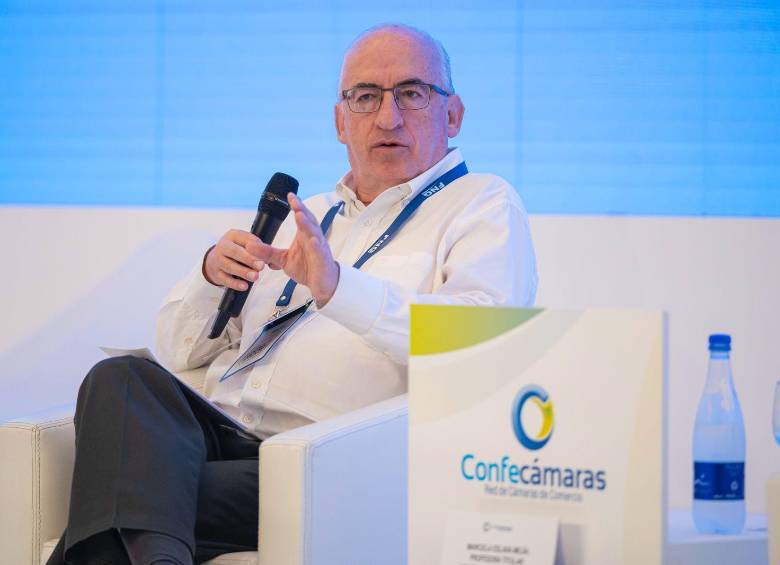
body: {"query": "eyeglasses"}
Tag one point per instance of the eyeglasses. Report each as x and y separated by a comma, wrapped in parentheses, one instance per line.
(412, 96)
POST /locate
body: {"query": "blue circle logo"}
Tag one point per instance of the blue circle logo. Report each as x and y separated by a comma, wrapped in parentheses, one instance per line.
(533, 395)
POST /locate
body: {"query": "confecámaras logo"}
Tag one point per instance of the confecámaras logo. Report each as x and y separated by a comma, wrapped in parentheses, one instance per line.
(533, 395)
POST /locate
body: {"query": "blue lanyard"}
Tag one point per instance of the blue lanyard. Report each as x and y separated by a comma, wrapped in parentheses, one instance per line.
(433, 188)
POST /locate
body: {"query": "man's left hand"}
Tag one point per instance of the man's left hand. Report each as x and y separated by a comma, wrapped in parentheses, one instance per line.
(308, 261)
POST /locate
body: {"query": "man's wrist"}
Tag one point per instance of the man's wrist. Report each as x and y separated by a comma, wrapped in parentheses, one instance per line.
(323, 300)
(203, 265)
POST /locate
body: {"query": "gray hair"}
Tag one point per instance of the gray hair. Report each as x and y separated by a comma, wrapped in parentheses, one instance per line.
(444, 58)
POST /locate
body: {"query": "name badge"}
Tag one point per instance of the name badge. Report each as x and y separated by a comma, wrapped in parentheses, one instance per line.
(270, 334)
(275, 328)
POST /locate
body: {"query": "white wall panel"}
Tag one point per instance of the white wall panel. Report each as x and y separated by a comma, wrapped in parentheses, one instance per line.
(65, 269)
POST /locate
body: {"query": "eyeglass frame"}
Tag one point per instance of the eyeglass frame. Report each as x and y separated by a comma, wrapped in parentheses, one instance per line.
(437, 89)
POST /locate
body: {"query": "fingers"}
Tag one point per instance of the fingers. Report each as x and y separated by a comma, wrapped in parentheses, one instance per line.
(312, 239)
(229, 261)
(223, 279)
(241, 255)
(304, 219)
(298, 206)
(238, 237)
(269, 255)
(237, 269)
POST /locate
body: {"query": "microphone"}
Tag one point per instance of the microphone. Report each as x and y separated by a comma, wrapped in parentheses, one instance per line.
(271, 212)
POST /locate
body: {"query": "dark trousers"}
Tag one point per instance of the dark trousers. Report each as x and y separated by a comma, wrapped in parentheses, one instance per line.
(151, 455)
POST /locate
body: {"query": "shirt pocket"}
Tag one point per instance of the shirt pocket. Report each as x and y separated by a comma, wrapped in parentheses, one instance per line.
(413, 271)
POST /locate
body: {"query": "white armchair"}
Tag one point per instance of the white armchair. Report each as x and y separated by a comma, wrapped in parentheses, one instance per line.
(333, 492)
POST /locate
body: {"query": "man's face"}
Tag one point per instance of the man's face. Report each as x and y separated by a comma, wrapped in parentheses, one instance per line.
(391, 146)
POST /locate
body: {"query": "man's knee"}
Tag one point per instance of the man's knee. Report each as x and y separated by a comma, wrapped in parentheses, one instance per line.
(113, 372)
(111, 382)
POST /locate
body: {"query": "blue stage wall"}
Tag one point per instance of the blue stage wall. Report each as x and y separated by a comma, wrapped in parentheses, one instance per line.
(607, 106)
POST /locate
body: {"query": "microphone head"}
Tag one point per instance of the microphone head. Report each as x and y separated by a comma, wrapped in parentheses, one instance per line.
(274, 198)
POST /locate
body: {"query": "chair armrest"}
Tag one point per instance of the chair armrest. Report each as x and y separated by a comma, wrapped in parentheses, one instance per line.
(334, 492)
(35, 477)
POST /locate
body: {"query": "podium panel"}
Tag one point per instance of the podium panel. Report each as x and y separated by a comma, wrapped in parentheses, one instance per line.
(527, 421)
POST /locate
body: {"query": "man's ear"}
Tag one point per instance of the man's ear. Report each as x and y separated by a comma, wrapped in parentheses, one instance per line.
(455, 110)
(338, 115)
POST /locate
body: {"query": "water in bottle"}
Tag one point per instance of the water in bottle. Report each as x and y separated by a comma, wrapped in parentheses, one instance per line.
(719, 448)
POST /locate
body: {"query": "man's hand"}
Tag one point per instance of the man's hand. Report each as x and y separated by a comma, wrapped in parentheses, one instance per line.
(308, 261)
(230, 258)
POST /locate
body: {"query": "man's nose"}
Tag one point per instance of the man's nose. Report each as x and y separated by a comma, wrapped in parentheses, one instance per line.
(389, 115)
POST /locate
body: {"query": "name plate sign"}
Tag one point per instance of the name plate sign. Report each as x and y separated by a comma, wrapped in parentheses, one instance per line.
(547, 423)
(509, 539)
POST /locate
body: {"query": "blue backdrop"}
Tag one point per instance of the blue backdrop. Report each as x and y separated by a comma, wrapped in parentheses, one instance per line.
(626, 107)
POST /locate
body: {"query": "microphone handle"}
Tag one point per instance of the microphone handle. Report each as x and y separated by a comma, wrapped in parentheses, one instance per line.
(264, 227)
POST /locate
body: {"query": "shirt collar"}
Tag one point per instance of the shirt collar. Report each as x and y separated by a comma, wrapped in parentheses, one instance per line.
(403, 191)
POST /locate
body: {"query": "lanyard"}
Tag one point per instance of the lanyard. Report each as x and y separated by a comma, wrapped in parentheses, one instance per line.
(281, 321)
(435, 187)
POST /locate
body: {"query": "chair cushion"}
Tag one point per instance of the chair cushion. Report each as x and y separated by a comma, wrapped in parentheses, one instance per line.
(243, 558)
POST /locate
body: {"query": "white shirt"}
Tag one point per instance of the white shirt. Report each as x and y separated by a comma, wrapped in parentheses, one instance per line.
(469, 244)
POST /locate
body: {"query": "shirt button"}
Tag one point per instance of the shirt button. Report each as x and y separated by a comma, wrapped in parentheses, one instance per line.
(187, 341)
(367, 223)
(214, 299)
(256, 383)
(247, 418)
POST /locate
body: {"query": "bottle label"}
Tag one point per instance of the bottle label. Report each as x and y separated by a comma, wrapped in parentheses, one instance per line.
(718, 481)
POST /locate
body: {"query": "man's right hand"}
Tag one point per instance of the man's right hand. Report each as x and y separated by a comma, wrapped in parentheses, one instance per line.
(230, 264)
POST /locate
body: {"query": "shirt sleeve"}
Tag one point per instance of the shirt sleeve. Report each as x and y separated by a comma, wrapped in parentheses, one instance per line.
(486, 259)
(187, 313)
(184, 322)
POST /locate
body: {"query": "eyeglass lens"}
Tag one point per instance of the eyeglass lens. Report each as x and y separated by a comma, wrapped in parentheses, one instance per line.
(407, 96)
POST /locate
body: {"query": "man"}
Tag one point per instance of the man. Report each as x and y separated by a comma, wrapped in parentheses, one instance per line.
(467, 243)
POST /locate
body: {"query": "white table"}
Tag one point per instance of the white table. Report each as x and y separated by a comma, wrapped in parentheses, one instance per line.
(688, 547)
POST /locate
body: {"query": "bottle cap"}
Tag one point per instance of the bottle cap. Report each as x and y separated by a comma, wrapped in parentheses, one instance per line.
(720, 342)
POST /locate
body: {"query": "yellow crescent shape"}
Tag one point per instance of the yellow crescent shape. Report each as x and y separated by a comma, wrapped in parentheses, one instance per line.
(547, 417)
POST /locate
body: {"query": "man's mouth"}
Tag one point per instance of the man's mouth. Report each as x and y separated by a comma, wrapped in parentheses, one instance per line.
(388, 144)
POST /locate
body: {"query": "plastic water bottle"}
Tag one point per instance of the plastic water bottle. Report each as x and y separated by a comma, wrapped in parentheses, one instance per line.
(719, 448)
